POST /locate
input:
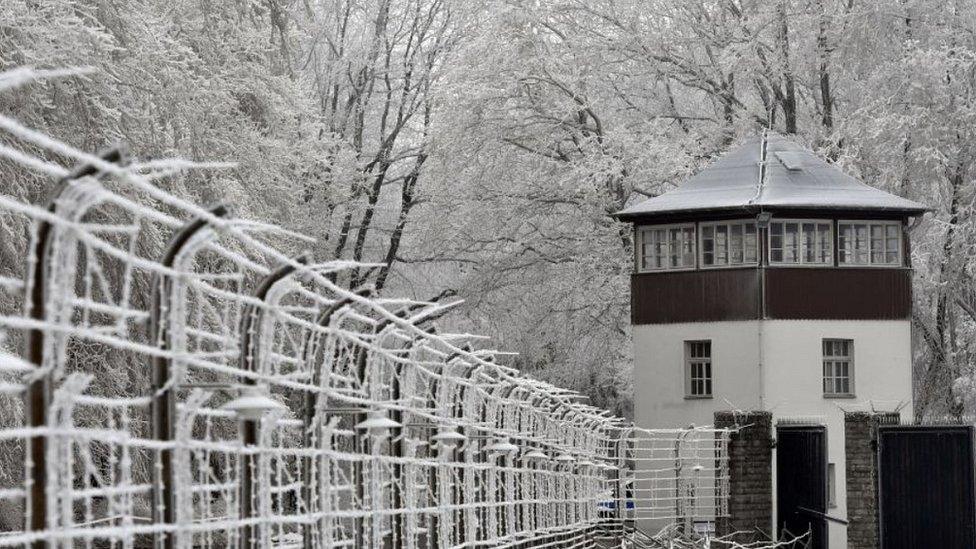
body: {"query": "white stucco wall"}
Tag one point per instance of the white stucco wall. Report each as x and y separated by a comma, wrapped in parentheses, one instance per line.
(791, 384)
(659, 375)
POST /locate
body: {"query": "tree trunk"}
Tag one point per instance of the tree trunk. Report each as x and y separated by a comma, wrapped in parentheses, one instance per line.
(824, 51)
(789, 85)
(944, 360)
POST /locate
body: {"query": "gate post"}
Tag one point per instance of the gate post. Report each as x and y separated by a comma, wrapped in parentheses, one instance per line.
(861, 442)
(750, 475)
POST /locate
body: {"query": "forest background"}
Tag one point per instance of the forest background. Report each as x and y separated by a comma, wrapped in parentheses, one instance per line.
(479, 146)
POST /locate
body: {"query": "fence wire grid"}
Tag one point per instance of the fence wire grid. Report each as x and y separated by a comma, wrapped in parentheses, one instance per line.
(184, 381)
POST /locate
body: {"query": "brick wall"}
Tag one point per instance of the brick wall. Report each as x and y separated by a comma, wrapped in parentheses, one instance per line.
(750, 469)
(860, 439)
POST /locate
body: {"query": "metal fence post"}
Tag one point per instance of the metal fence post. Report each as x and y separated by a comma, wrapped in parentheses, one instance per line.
(181, 248)
(467, 494)
(38, 395)
(249, 427)
(311, 408)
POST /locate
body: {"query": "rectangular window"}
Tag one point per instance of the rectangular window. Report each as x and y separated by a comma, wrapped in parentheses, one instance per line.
(801, 242)
(698, 369)
(869, 243)
(666, 247)
(838, 367)
(729, 243)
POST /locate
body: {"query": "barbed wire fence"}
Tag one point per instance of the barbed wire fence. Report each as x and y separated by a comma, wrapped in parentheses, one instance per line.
(218, 391)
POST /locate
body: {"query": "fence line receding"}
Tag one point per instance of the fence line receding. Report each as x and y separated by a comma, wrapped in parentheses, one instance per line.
(187, 378)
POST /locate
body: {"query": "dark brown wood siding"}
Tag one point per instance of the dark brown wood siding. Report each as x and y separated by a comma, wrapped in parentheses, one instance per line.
(695, 296)
(838, 293)
(829, 293)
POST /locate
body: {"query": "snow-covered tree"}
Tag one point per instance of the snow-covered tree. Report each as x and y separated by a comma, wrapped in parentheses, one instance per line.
(481, 146)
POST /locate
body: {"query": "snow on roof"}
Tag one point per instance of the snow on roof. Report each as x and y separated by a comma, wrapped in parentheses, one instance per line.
(795, 178)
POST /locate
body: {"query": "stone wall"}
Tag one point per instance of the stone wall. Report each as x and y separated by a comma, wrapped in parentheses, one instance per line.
(861, 441)
(750, 471)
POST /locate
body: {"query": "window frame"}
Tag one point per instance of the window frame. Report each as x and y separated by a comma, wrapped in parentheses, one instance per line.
(900, 262)
(852, 389)
(728, 223)
(799, 243)
(639, 247)
(689, 378)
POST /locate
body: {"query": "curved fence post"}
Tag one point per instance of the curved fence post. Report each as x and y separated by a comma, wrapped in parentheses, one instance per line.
(404, 490)
(38, 349)
(396, 445)
(313, 422)
(444, 453)
(507, 473)
(249, 427)
(179, 252)
(398, 448)
(369, 483)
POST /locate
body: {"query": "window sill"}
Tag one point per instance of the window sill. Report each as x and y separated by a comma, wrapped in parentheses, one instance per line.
(698, 397)
(659, 271)
(898, 265)
(751, 265)
(839, 395)
(782, 265)
(841, 266)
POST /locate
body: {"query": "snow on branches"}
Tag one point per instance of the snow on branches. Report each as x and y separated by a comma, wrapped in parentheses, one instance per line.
(186, 380)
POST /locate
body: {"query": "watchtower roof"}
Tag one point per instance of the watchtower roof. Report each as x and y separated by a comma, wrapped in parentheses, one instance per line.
(795, 178)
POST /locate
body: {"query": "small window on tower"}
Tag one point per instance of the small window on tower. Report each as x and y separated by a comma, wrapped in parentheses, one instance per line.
(665, 247)
(698, 369)
(728, 244)
(838, 367)
(801, 242)
(869, 243)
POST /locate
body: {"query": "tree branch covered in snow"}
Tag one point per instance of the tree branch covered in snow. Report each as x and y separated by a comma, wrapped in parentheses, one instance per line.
(485, 143)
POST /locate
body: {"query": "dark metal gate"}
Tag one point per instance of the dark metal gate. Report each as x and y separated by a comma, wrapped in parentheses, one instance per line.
(801, 483)
(926, 487)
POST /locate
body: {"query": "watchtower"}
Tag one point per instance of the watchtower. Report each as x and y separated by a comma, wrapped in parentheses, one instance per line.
(772, 280)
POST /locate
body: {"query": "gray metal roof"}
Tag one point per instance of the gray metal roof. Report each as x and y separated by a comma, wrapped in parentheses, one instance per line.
(795, 178)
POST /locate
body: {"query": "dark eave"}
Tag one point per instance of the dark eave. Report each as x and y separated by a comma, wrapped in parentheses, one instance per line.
(717, 214)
